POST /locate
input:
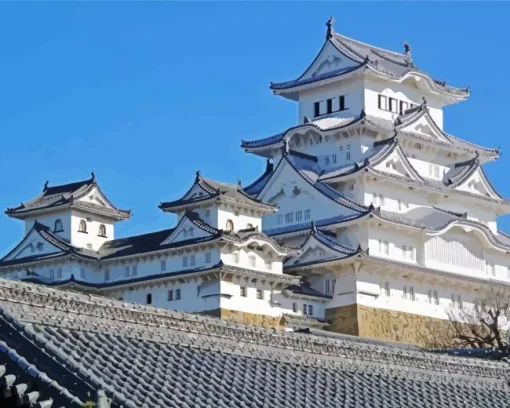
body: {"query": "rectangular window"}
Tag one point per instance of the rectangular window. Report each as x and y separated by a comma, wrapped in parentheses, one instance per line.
(83, 273)
(307, 214)
(452, 297)
(404, 251)
(177, 294)
(351, 187)
(403, 107)
(436, 297)
(207, 257)
(260, 294)
(299, 215)
(327, 286)
(404, 292)
(333, 286)
(348, 155)
(163, 265)
(235, 257)
(460, 305)
(242, 291)
(341, 102)
(135, 270)
(333, 158)
(207, 213)
(387, 288)
(430, 296)
(294, 307)
(508, 272)
(184, 261)
(59, 273)
(149, 299)
(279, 219)
(107, 275)
(269, 264)
(127, 271)
(399, 204)
(326, 160)
(384, 247)
(411, 293)
(383, 102)
(329, 105)
(393, 105)
(305, 309)
(289, 217)
(252, 261)
(317, 108)
(310, 310)
(192, 260)
(381, 199)
(170, 295)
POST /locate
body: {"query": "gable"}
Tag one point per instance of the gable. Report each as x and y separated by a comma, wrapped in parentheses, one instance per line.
(297, 200)
(312, 251)
(185, 230)
(328, 60)
(96, 196)
(396, 164)
(32, 245)
(477, 183)
(425, 126)
(196, 192)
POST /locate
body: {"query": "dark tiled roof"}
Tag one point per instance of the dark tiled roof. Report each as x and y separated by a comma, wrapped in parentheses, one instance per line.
(258, 185)
(215, 190)
(146, 357)
(67, 195)
(306, 290)
(388, 63)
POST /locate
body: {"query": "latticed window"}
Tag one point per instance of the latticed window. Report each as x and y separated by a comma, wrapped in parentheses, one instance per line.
(260, 294)
(243, 291)
(58, 226)
(294, 307)
(102, 231)
(82, 227)
(177, 294)
(170, 295)
(229, 225)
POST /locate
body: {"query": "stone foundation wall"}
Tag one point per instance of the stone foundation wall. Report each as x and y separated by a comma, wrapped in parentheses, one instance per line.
(382, 324)
(247, 318)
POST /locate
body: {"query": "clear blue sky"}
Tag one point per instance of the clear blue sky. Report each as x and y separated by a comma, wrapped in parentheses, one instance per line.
(144, 94)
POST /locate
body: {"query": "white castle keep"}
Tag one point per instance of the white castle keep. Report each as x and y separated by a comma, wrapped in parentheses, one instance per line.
(370, 219)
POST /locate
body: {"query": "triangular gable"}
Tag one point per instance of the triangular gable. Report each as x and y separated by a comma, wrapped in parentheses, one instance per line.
(422, 123)
(96, 196)
(328, 59)
(318, 249)
(396, 163)
(294, 192)
(196, 192)
(188, 229)
(34, 244)
(477, 183)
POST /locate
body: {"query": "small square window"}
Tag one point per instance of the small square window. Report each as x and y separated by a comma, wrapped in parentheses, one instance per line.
(341, 102)
(260, 294)
(149, 299)
(317, 108)
(383, 102)
(243, 291)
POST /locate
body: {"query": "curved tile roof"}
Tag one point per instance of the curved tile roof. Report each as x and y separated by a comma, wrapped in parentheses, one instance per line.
(142, 356)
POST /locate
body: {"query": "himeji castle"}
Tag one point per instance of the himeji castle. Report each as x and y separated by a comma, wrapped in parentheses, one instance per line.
(370, 219)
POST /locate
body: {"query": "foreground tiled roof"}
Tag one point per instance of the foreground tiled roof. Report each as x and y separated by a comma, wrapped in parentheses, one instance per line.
(146, 357)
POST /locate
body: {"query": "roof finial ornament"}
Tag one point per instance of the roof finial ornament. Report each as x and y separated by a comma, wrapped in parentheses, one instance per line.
(285, 146)
(306, 120)
(424, 101)
(45, 185)
(407, 49)
(269, 164)
(314, 227)
(239, 183)
(197, 174)
(331, 30)
(92, 175)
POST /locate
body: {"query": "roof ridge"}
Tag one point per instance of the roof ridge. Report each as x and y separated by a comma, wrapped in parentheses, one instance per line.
(370, 45)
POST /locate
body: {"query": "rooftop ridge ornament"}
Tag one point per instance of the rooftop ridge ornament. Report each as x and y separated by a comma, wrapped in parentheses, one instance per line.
(239, 184)
(285, 146)
(93, 176)
(330, 29)
(197, 175)
(424, 104)
(45, 185)
(407, 49)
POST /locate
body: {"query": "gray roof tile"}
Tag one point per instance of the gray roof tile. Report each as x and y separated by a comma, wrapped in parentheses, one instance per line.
(147, 357)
